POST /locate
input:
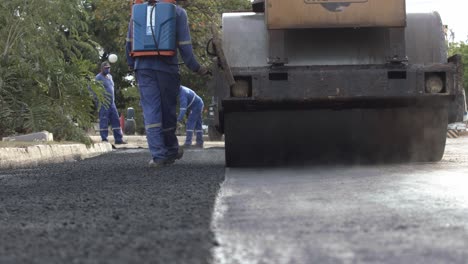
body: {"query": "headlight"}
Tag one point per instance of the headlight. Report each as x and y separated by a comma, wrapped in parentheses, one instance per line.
(241, 88)
(434, 84)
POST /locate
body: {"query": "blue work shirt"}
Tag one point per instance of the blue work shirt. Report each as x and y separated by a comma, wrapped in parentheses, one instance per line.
(166, 63)
(108, 85)
(187, 98)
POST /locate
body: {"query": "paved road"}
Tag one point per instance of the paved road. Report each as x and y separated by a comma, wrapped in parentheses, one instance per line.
(416, 213)
(111, 209)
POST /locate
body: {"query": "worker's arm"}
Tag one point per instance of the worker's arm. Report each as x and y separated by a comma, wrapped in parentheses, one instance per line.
(184, 42)
(128, 46)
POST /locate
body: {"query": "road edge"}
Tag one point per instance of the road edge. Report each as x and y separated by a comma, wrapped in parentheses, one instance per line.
(46, 154)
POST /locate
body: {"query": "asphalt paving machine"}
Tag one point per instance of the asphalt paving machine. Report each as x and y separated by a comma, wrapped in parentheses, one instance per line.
(316, 81)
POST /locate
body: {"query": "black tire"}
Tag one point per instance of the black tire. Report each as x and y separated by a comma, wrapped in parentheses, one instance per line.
(130, 127)
(213, 134)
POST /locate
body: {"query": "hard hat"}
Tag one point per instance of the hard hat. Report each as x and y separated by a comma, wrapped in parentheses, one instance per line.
(105, 64)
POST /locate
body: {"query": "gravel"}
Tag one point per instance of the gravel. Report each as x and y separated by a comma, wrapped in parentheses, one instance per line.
(111, 209)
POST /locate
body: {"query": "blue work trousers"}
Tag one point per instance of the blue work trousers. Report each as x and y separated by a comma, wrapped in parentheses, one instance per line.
(109, 114)
(158, 96)
(194, 122)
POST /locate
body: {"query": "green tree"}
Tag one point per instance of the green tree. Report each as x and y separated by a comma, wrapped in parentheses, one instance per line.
(51, 50)
(109, 26)
(45, 68)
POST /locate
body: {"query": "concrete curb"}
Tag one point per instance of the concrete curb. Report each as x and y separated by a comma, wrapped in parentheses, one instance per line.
(141, 139)
(43, 154)
(141, 142)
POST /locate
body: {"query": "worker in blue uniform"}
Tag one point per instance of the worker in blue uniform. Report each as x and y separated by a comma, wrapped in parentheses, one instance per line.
(192, 104)
(108, 113)
(158, 80)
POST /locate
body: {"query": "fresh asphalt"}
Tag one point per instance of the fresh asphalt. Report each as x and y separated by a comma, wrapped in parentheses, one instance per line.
(111, 209)
(114, 209)
(400, 213)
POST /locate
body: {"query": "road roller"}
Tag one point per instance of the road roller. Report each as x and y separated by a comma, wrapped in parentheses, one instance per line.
(303, 82)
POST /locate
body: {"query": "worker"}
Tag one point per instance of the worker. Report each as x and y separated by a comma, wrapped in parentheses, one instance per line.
(158, 80)
(109, 113)
(192, 104)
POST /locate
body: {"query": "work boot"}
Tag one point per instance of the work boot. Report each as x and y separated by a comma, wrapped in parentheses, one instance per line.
(180, 153)
(160, 163)
(178, 156)
(120, 142)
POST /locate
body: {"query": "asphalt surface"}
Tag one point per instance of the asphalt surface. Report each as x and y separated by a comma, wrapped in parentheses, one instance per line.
(111, 209)
(400, 213)
(114, 209)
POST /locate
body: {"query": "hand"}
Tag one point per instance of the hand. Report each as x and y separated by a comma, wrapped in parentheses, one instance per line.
(202, 71)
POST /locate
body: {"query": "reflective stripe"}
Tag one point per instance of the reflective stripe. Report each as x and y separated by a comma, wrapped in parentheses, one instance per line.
(189, 130)
(105, 129)
(183, 109)
(193, 99)
(115, 128)
(199, 131)
(129, 39)
(169, 129)
(153, 125)
(188, 42)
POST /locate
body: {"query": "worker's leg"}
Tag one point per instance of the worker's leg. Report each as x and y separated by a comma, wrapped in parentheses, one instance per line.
(169, 84)
(115, 123)
(199, 123)
(190, 126)
(104, 123)
(150, 98)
